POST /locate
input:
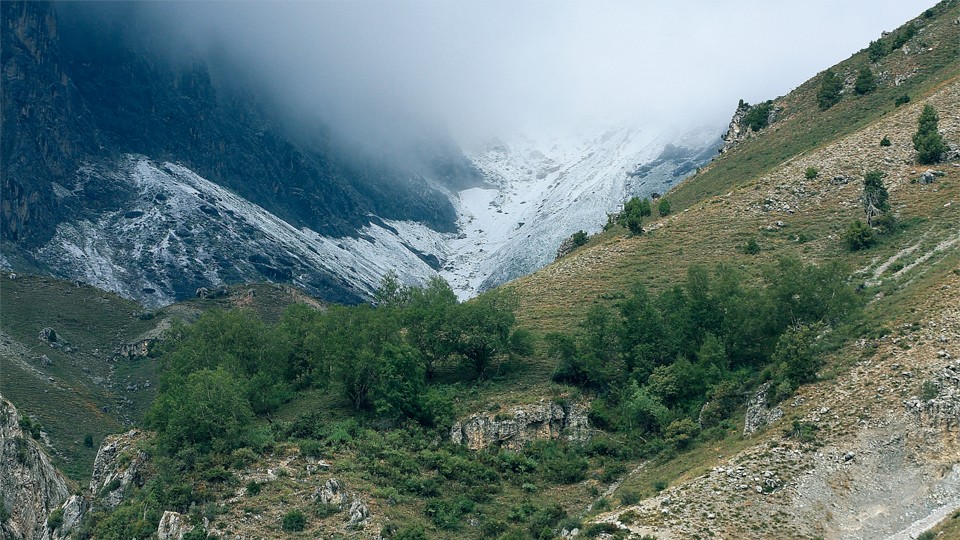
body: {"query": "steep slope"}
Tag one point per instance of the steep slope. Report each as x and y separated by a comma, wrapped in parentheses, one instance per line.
(31, 487)
(541, 192)
(880, 462)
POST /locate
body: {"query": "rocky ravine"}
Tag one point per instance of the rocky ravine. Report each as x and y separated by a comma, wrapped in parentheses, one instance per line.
(30, 486)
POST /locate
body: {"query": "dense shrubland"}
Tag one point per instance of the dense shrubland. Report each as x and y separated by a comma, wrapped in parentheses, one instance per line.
(664, 367)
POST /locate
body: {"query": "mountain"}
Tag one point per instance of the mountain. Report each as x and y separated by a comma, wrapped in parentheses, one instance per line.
(118, 161)
(539, 192)
(594, 425)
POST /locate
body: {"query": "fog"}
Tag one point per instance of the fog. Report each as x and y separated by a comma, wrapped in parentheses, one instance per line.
(386, 70)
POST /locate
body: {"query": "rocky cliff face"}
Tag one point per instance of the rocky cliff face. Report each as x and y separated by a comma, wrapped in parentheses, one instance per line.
(523, 424)
(30, 487)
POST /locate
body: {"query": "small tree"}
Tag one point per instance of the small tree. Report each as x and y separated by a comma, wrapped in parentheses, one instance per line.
(664, 207)
(859, 236)
(294, 521)
(830, 87)
(811, 173)
(645, 209)
(580, 238)
(877, 50)
(927, 141)
(885, 141)
(875, 196)
(632, 215)
(866, 82)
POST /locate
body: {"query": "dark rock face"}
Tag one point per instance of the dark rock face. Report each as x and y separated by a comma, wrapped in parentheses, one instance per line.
(78, 94)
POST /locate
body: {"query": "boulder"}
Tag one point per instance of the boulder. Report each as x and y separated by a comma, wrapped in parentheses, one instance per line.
(359, 514)
(48, 335)
(332, 493)
(758, 414)
(173, 526)
(525, 423)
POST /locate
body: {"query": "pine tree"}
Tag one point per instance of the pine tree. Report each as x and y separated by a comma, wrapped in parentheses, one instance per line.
(866, 82)
(927, 140)
(875, 196)
(830, 87)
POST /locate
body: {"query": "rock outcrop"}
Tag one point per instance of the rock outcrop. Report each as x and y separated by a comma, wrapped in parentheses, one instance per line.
(119, 463)
(524, 423)
(738, 131)
(758, 413)
(30, 486)
(941, 410)
(173, 525)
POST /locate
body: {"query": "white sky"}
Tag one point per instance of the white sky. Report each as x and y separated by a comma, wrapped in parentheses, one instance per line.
(480, 68)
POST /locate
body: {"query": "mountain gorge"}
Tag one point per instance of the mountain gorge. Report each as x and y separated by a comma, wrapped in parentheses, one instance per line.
(83, 99)
(772, 355)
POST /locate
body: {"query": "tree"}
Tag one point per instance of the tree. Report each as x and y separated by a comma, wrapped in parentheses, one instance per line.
(859, 236)
(875, 196)
(795, 357)
(877, 50)
(483, 329)
(632, 215)
(830, 87)
(927, 141)
(664, 207)
(579, 238)
(866, 82)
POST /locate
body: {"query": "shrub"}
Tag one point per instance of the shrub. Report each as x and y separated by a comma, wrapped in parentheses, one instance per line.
(253, 488)
(927, 141)
(902, 100)
(811, 173)
(927, 535)
(294, 521)
(877, 50)
(751, 247)
(664, 207)
(903, 36)
(929, 390)
(632, 215)
(885, 141)
(596, 529)
(859, 236)
(830, 87)
(628, 497)
(865, 82)
(579, 238)
(659, 485)
(758, 117)
(55, 520)
(88, 440)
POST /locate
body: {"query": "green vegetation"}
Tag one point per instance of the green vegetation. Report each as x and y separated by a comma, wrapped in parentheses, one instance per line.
(634, 210)
(927, 141)
(902, 100)
(758, 117)
(885, 141)
(865, 82)
(580, 238)
(859, 236)
(830, 87)
(877, 50)
(663, 208)
(751, 247)
(294, 521)
(656, 361)
(811, 173)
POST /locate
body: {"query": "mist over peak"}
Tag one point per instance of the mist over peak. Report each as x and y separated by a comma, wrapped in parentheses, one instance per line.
(386, 71)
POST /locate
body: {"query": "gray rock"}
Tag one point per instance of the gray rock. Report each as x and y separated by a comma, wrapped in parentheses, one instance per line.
(545, 420)
(758, 414)
(173, 525)
(48, 335)
(332, 493)
(359, 514)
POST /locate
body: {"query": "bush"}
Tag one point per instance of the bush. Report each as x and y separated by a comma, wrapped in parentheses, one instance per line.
(859, 236)
(758, 117)
(811, 173)
(55, 520)
(751, 247)
(253, 488)
(927, 141)
(294, 521)
(929, 390)
(885, 141)
(865, 82)
(927, 535)
(632, 215)
(628, 497)
(877, 50)
(903, 36)
(664, 207)
(830, 87)
(596, 529)
(902, 100)
(579, 238)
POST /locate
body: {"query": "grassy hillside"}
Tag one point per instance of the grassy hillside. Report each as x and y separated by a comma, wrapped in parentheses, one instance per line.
(418, 484)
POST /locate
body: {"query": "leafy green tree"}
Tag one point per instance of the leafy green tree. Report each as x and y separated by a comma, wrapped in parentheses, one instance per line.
(877, 50)
(796, 357)
(483, 329)
(641, 332)
(811, 173)
(859, 236)
(645, 209)
(830, 87)
(580, 238)
(428, 319)
(663, 208)
(885, 141)
(865, 82)
(632, 215)
(927, 141)
(643, 411)
(208, 410)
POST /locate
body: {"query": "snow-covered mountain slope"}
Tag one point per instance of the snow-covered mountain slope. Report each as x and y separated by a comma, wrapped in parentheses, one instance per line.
(179, 232)
(544, 191)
